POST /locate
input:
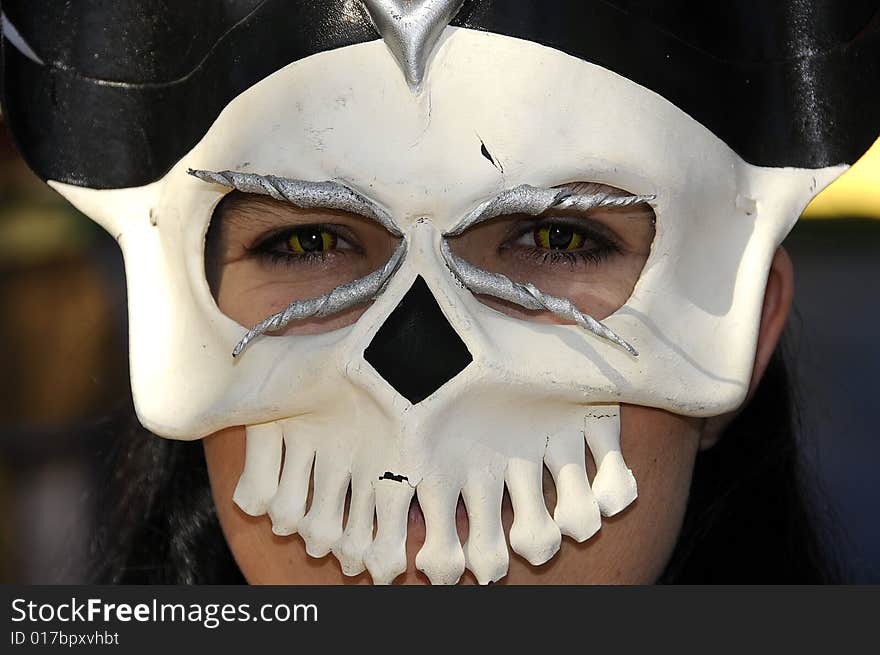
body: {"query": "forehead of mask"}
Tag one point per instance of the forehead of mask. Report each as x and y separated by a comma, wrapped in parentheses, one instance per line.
(494, 112)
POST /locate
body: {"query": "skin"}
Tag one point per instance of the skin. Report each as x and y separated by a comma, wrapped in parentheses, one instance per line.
(660, 447)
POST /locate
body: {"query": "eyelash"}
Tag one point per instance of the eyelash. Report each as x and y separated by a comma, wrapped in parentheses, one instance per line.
(266, 248)
(604, 247)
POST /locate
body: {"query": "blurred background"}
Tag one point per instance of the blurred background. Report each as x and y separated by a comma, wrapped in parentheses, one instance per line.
(65, 381)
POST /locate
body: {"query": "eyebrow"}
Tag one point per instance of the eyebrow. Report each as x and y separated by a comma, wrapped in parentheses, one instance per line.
(530, 200)
(301, 193)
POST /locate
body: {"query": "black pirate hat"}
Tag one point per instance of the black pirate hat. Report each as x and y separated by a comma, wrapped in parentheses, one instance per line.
(109, 94)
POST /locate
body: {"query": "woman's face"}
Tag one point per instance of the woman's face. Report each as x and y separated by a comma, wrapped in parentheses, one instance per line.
(261, 254)
(429, 161)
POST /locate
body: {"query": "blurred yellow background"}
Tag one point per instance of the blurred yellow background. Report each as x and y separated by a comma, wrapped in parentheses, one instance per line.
(855, 194)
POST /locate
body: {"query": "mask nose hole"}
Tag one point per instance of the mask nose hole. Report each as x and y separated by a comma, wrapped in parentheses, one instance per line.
(416, 350)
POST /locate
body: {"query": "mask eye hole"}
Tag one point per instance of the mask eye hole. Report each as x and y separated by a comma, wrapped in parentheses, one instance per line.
(261, 254)
(593, 258)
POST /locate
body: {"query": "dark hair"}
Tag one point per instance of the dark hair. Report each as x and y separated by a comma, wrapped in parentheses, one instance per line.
(159, 521)
(748, 519)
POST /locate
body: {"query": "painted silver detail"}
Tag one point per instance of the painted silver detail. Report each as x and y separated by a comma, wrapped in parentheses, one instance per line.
(308, 195)
(411, 29)
(480, 281)
(526, 199)
(17, 40)
(336, 300)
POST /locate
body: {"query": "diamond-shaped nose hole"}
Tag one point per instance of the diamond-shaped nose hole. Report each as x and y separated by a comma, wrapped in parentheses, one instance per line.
(416, 350)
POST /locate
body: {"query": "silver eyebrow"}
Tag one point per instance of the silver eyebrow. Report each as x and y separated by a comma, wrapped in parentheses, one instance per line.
(307, 195)
(336, 300)
(526, 199)
(479, 281)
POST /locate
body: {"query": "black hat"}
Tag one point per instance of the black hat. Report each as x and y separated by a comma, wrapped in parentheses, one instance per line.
(112, 93)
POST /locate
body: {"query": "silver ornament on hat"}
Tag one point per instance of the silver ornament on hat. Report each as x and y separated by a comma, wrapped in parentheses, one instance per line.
(411, 30)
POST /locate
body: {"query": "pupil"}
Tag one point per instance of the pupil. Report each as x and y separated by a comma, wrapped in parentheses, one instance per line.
(311, 240)
(559, 237)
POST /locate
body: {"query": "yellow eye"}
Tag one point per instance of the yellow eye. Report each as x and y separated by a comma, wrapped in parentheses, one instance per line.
(311, 239)
(558, 237)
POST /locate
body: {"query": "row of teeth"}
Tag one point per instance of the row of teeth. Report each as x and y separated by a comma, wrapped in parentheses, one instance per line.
(385, 502)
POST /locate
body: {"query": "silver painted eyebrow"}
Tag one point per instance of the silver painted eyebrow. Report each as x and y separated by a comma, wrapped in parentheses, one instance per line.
(479, 281)
(306, 195)
(334, 301)
(527, 199)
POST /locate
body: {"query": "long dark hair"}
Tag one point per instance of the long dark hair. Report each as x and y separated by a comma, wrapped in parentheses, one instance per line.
(748, 520)
(751, 516)
(158, 521)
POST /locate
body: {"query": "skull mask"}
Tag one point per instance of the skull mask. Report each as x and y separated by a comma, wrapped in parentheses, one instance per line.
(430, 131)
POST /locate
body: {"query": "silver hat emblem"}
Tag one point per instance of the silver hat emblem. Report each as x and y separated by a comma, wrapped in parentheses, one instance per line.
(411, 29)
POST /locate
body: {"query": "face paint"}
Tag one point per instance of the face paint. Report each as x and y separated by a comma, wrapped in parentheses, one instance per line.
(432, 393)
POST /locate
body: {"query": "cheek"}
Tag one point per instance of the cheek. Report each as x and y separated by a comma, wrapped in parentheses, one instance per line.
(631, 548)
(660, 448)
(634, 546)
(246, 296)
(263, 557)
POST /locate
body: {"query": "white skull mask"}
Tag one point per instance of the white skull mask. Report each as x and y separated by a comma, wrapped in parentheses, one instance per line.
(510, 396)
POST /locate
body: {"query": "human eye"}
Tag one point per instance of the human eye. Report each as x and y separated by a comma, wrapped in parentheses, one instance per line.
(305, 244)
(591, 255)
(262, 254)
(563, 240)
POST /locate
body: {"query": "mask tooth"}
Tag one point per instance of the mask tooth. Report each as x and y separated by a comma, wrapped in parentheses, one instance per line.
(441, 558)
(262, 461)
(358, 532)
(289, 504)
(485, 549)
(577, 512)
(533, 534)
(614, 485)
(322, 526)
(385, 559)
